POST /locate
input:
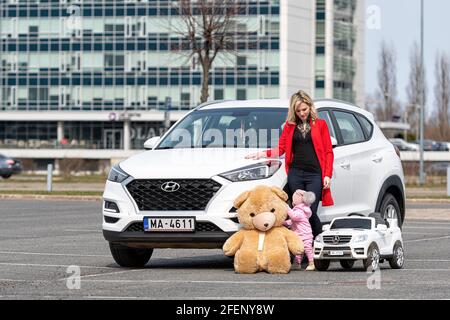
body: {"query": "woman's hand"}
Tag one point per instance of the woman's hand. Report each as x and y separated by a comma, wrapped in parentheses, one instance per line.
(256, 156)
(326, 182)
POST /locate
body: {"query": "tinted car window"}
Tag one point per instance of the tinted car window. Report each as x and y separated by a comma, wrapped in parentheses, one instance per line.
(367, 125)
(325, 115)
(352, 224)
(349, 126)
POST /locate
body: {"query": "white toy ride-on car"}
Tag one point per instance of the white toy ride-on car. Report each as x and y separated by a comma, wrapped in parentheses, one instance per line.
(370, 239)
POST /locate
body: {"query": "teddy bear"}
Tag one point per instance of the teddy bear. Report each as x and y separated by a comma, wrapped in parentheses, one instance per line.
(299, 223)
(262, 243)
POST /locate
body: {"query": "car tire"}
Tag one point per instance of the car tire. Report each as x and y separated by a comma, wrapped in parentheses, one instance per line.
(6, 176)
(373, 258)
(322, 265)
(398, 258)
(389, 208)
(347, 264)
(130, 257)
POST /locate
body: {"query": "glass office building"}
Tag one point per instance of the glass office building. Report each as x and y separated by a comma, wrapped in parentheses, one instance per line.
(340, 50)
(87, 74)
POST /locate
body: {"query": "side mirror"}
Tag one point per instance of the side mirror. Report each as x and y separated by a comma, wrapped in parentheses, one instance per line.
(326, 227)
(151, 143)
(334, 142)
(382, 227)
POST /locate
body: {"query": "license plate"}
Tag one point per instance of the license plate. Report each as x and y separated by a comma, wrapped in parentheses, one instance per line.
(336, 253)
(172, 224)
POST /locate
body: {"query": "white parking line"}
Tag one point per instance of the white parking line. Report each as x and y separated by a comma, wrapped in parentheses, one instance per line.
(427, 239)
(427, 260)
(428, 228)
(81, 230)
(53, 254)
(49, 265)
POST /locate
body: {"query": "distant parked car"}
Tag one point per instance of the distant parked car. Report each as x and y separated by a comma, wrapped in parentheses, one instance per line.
(9, 166)
(442, 146)
(402, 145)
(428, 145)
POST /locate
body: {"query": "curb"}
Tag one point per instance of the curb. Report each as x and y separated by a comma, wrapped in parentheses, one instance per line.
(49, 197)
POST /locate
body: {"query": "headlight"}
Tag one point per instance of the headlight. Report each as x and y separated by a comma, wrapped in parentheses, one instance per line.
(257, 171)
(117, 175)
(319, 239)
(360, 238)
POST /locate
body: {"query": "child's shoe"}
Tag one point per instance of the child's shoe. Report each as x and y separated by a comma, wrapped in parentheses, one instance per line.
(310, 267)
(296, 266)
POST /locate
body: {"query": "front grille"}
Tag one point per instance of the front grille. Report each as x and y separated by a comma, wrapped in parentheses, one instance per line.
(199, 227)
(193, 194)
(340, 239)
(337, 248)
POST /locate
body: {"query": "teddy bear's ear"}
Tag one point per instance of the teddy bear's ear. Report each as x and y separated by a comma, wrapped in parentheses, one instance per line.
(240, 200)
(280, 193)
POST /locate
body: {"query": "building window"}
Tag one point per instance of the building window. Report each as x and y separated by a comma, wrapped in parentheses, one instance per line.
(218, 94)
(185, 99)
(241, 60)
(241, 94)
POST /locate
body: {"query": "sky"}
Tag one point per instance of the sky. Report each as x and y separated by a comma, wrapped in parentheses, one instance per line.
(399, 25)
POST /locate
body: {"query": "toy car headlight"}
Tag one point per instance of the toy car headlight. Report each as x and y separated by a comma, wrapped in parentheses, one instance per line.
(360, 238)
(319, 239)
(258, 171)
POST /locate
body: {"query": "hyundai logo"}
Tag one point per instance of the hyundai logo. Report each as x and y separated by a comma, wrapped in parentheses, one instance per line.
(170, 186)
(336, 239)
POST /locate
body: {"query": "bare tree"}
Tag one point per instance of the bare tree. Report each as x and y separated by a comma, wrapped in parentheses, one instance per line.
(442, 95)
(416, 89)
(209, 28)
(387, 84)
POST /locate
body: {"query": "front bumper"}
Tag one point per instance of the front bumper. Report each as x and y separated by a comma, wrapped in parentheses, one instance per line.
(141, 239)
(341, 252)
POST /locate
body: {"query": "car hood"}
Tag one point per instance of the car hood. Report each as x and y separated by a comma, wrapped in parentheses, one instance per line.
(186, 163)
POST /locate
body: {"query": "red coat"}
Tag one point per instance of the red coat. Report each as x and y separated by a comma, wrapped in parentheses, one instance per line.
(322, 144)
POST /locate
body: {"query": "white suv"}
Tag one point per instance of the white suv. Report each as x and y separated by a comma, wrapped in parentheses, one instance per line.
(180, 193)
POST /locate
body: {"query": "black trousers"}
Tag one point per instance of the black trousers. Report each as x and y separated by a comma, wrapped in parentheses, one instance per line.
(308, 181)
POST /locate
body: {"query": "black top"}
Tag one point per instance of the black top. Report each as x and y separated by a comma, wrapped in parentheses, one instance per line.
(305, 157)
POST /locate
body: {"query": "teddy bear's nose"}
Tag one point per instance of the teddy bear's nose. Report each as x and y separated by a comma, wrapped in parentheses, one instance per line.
(266, 225)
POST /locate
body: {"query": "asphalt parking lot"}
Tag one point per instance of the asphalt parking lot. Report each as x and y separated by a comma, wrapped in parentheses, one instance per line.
(43, 245)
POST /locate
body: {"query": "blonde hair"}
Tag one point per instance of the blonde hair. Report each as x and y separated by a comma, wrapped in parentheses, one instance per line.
(301, 96)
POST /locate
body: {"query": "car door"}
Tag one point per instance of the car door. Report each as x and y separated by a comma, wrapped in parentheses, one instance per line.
(341, 182)
(356, 150)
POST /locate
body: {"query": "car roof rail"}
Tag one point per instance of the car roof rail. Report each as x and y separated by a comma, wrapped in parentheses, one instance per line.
(208, 103)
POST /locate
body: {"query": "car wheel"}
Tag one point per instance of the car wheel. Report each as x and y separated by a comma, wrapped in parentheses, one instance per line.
(398, 258)
(347, 264)
(130, 257)
(390, 209)
(6, 176)
(322, 265)
(373, 258)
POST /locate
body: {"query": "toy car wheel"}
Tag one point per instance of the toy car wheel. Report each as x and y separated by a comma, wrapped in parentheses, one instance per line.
(322, 265)
(130, 257)
(6, 176)
(373, 258)
(398, 258)
(347, 264)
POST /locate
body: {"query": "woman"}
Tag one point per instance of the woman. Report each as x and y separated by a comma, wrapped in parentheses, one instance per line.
(307, 144)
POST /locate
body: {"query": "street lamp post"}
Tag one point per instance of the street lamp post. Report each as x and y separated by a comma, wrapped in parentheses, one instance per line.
(422, 102)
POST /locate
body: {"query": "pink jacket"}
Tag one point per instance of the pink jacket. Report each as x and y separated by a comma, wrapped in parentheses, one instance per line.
(299, 221)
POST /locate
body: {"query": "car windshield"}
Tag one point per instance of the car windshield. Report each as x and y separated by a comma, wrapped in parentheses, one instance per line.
(227, 128)
(352, 224)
